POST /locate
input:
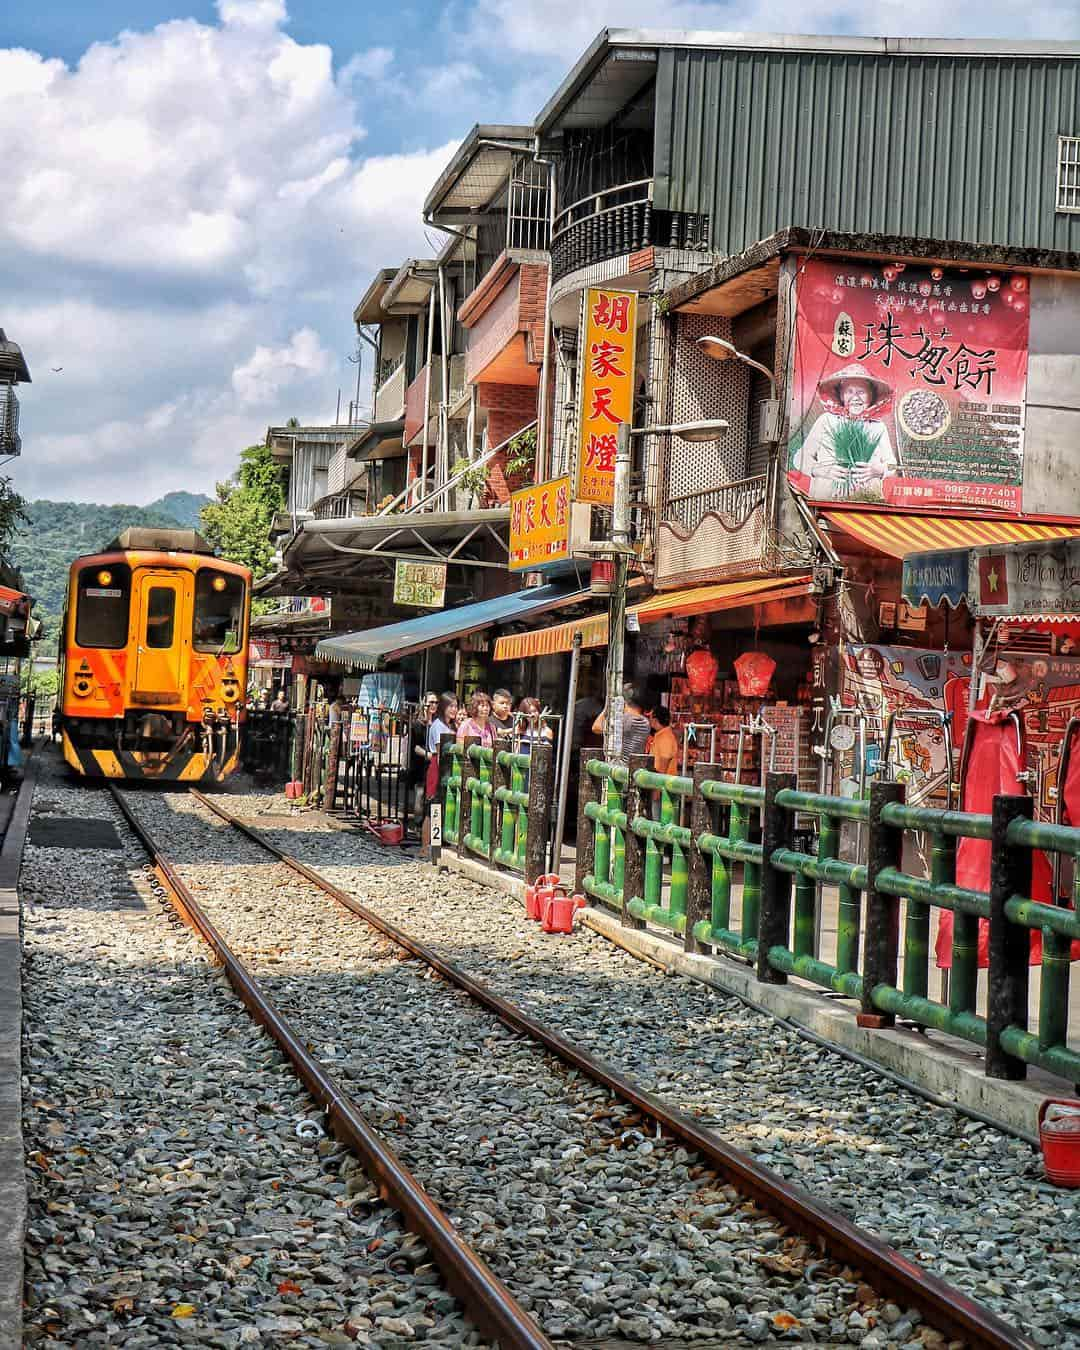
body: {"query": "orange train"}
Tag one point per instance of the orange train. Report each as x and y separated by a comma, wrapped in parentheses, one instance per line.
(154, 659)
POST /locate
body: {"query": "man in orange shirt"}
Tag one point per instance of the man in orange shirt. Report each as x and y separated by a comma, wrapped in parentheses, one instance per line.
(665, 749)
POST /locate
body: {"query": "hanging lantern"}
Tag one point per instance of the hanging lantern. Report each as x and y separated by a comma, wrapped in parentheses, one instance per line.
(754, 671)
(701, 667)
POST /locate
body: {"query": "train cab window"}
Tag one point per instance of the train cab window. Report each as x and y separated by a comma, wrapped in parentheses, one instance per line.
(219, 612)
(101, 606)
(160, 616)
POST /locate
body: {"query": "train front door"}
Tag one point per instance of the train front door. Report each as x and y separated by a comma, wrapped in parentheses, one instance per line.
(162, 637)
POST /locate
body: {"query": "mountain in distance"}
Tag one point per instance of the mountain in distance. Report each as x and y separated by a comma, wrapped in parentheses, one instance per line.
(184, 507)
(56, 533)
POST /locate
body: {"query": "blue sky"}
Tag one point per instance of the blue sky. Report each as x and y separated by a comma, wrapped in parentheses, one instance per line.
(196, 194)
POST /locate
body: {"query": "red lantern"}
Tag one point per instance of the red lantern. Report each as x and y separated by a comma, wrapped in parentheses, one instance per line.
(701, 670)
(754, 671)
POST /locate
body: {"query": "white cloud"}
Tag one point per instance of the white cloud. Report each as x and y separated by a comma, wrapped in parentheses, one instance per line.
(563, 29)
(188, 222)
(268, 370)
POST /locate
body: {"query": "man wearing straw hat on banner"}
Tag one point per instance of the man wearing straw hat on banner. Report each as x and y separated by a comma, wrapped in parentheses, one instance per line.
(848, 452)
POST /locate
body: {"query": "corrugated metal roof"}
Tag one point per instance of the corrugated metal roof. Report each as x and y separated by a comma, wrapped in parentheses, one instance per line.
(476, 173)
(941, 144)
(573, 91)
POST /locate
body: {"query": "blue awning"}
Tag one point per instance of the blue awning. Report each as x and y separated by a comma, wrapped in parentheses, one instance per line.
(930, 578)
(375, 647)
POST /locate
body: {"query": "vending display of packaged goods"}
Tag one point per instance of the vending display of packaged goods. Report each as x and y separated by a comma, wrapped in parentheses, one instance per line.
(794, 753)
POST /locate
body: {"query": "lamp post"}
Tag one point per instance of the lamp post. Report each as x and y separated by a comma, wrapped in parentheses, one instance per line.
(622, 549)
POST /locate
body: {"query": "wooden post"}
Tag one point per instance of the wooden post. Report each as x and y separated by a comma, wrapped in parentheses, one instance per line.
(333, 755)
(637, 804)
(1007, 993)
(539, 818)
(884, 848)
(699, 892)
(588, 791)
(774, 916)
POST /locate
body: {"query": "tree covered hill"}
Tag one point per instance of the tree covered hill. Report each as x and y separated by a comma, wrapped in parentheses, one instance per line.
(181, 506)
(56, 533)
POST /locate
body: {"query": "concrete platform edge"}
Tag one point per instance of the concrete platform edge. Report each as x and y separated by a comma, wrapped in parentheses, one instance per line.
(12, 1162)
(952, 1074)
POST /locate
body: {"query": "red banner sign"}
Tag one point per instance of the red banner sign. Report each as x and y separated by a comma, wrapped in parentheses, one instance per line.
(909, 384)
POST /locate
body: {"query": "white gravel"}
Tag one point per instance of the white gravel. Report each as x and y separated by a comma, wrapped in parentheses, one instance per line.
(967, 1200)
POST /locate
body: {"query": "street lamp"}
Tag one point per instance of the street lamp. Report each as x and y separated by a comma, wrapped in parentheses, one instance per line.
(694, 433)
(720, 349)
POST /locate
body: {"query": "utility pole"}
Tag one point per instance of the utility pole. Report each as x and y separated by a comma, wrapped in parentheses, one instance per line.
(620, 540)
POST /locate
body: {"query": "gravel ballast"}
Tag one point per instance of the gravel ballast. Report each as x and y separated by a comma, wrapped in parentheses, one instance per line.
(967, 1200)
(181, 1190)
(599, 1228)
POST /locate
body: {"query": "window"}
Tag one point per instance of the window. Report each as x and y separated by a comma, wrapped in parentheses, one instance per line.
(101, 605)
(1068, 179)
(219, 612)
(160, 617)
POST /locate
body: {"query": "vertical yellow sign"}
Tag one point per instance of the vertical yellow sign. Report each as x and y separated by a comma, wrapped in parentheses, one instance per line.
(606, 389)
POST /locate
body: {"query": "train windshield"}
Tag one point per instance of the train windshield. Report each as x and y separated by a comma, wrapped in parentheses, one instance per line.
(219, 612)
(101, 608)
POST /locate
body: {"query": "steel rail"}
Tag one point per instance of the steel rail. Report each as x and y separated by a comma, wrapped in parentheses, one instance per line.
(888, 1270)
(489, 1303)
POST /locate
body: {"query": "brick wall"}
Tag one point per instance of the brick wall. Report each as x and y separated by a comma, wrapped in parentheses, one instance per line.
(532, 297)
(509, 407)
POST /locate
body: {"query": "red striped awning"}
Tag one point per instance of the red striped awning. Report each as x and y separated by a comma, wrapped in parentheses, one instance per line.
(897, 534)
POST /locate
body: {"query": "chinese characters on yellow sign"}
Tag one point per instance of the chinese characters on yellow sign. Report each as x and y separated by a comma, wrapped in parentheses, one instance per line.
(420, 584)
(606, 382)
(540, 524)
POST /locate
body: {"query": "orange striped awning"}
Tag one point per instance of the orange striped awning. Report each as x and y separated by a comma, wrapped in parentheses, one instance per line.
(897, 534)
(551, 641)
(668, 605)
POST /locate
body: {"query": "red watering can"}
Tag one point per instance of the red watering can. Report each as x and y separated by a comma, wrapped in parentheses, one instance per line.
(537, 893)
(559, 911)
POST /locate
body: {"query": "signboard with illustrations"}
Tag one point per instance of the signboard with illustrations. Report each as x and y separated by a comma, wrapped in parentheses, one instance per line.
(540, 520)
(419, 584)
(1044, 691)
(606, 385)
(909, 384)
(878, 680)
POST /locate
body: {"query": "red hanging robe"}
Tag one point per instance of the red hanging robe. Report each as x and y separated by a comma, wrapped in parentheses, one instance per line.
(993, 763)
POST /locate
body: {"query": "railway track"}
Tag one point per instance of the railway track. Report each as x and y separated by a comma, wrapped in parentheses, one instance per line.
(692, 1215)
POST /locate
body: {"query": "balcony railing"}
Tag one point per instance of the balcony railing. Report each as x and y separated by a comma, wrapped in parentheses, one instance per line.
(620, 220)
(734, 502)
(712, 533)
(390, 395)
(342, 505)
(10, 443)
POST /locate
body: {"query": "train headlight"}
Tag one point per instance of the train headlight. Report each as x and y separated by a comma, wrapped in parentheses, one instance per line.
(104, 577)
(218, 583)
(81, 686)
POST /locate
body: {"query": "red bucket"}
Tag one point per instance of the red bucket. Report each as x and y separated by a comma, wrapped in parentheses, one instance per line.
(1060, 1139)
(391, 832)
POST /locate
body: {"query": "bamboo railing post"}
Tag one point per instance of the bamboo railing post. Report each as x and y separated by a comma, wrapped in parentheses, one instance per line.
(1007, 996)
